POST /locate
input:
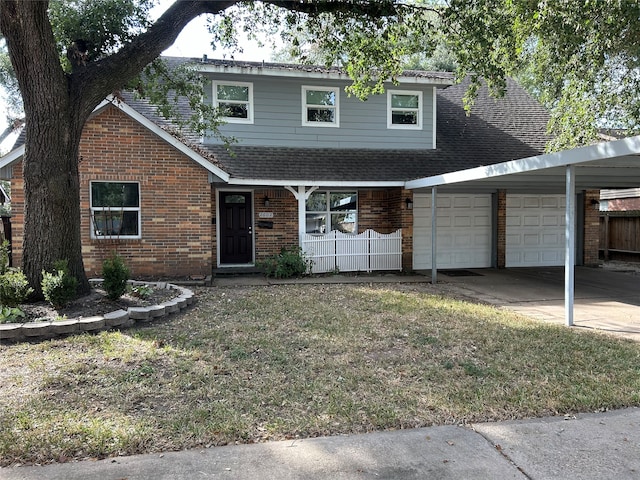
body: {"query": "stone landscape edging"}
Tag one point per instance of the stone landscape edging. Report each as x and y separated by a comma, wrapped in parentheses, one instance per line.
(17, 332)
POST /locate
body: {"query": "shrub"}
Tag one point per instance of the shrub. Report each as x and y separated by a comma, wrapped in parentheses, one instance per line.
(290, 262)
(115, 275)
(59, 287)
(4, 256)
(14, 288)
(10, 314)
(141, 291)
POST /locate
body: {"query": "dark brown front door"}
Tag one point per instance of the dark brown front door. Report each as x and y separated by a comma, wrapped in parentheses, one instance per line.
(236, 228)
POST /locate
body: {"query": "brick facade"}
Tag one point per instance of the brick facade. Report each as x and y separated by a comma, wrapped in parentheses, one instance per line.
(382, 210)
(284, 206)
(175, 201)
(178, 207)
(591, 228)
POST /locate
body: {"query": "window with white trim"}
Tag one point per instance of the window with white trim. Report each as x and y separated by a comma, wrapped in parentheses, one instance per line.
(404, 109)
(327, 211)
(115, 210)
(234, 101)
(320, 106)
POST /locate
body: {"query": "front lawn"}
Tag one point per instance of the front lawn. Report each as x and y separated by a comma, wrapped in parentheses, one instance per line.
(256, 363)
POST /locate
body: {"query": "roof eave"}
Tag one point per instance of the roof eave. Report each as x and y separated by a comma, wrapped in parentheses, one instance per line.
(315, 183)
(580, 155)
(10, 158)
(321, 75)
(170, 139)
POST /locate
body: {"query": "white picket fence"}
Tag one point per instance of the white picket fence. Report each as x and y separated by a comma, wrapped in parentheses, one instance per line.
(366, 252)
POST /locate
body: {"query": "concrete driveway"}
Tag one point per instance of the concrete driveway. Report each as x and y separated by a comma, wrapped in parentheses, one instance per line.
(605, 298)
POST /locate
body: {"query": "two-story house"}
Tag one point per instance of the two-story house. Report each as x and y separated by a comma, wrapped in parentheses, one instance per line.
(309, 159)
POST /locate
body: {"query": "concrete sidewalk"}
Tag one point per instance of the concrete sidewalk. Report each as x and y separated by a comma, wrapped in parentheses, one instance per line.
(590, 446)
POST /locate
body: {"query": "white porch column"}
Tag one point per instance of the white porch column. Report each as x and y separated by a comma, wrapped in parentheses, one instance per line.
(570, 248)
(434, 235)
(302, 195)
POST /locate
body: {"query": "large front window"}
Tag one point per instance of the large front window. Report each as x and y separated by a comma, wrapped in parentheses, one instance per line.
(320, 106)
(115, 210)
(234, 101)
(328, 211)
(404, 109)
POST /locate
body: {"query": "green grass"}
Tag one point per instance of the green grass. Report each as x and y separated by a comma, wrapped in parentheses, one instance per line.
(251, 364)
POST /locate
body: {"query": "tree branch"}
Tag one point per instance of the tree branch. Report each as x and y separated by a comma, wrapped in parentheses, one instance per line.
(90, 84)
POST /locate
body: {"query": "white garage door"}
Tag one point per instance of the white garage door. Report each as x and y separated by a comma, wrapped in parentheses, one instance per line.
(535, 230)
(463, 227)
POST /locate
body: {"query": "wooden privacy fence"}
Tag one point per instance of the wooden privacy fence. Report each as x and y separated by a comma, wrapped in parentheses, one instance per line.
(366, 252)
(620, 233)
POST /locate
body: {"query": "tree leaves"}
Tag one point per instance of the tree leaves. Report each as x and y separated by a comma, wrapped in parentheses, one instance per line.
(580, 58)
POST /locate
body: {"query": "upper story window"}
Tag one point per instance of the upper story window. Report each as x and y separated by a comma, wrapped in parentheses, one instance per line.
(234, 101)
(320, 106)
(327, 211)
(115, 210)
(404, 109)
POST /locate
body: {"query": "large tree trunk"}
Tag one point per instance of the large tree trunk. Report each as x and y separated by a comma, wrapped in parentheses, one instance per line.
(57, 105)
(56, 108)
(52, 199)
(52, 139)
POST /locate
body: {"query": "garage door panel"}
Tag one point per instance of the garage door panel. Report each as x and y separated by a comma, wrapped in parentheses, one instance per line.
(552, 239)
(553, 202)
(482, 221)
(535, 230)
(444, 222)
(464, 231)
(531, 202)
(463, 241)
(462, 221)
(531, 221)
(552, 221)
(443, 201)
(462, 202)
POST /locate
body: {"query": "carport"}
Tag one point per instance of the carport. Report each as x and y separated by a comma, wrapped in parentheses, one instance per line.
(610, 165)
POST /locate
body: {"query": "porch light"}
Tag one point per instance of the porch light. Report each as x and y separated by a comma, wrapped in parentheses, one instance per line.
(266, 201)
(409, 203)
(595, 204)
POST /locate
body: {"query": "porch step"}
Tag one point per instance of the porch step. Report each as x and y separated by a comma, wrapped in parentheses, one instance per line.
(236, 271)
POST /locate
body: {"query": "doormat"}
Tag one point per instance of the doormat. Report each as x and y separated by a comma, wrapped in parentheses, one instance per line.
(460, 273)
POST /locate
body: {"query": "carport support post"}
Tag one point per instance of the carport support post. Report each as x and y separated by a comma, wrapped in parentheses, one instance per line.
(434, 235)
(570, 248)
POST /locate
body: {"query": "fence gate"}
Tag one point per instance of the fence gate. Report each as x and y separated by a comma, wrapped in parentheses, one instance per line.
(366, 252)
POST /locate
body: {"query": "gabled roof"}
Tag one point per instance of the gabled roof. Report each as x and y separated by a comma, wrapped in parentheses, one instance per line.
(164, 130)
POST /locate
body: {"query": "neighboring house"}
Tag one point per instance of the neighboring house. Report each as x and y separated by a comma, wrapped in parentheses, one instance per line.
(311, 159)
(620, 200)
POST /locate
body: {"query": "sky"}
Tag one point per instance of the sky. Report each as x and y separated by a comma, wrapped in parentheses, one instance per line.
(194, 41)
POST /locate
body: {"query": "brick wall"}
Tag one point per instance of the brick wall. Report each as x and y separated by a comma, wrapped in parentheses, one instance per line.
(284, 206)
(591, 228)
(174, 194)
(622, 204)
(385, 211)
